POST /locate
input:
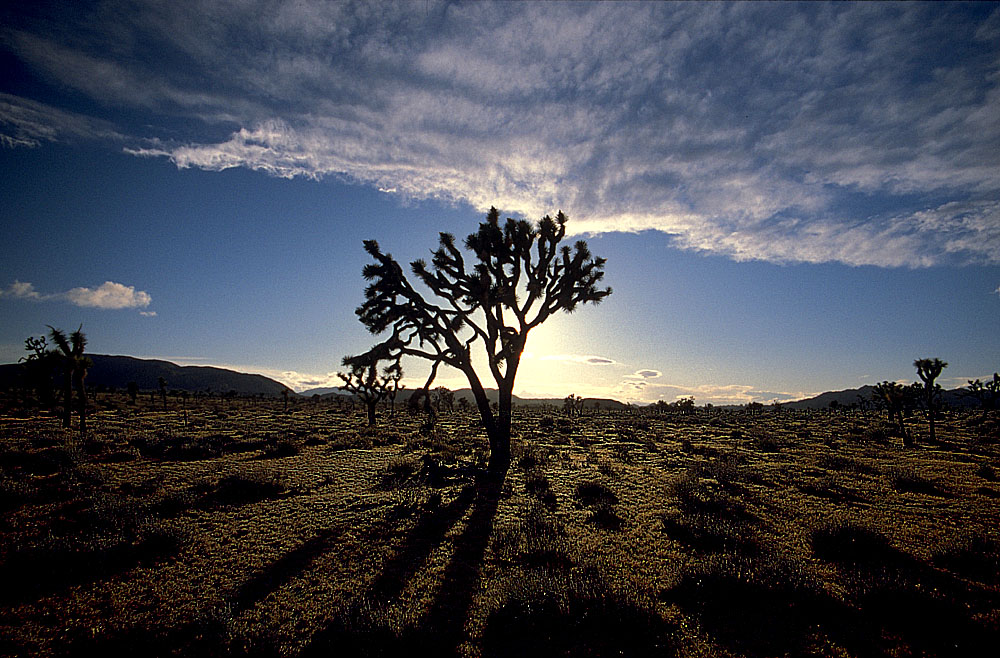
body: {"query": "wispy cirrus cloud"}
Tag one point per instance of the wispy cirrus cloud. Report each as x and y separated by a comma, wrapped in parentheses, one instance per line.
(582, 359)
(860, 134)
(109, 296)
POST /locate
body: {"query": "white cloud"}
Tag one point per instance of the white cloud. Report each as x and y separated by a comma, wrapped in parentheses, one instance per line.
(862, 134)
(21, 290)
(109, 295)
(148, 314)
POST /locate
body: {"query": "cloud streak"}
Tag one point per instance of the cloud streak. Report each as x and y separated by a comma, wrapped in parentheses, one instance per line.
(107, 296)
(860, 134)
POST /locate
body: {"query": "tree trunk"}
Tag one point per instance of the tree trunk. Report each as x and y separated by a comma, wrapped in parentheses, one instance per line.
(500, 438)
(81, 393)
(68, 400)
(907, 439)
(497, 434)
(371, 413)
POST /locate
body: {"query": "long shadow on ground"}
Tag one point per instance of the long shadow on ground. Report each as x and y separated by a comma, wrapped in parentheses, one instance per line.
(362, 630)
(283, 570)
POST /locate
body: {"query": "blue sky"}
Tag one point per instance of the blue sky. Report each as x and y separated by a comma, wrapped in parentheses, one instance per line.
(792, 198)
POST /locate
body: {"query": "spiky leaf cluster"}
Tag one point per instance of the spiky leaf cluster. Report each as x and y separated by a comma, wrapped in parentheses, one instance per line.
(518, 275)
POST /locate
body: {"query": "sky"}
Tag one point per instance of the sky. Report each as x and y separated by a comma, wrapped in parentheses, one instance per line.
(791, 198)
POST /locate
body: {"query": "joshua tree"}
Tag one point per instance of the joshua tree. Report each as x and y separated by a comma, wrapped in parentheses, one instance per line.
(573, 405)
(444, 399)
(38, 368)
(519, 278)
(75, 366)
(284, 394)
(133, 391)
(163, 391)
(893, 396)
(364, 382)
(988, 394)
(928, 370)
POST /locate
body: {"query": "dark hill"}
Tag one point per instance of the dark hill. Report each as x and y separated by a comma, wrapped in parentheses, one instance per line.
(117, 371)
(952, 398)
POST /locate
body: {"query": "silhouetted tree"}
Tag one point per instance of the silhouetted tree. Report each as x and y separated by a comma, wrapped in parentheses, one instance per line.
(133, 391)
(928, 370)
(520, 277)
(987, 394)
(444, 399)
(284, 395)
(38, 366)
(163, 391)
(893, 397)
(75, 365)
(573, 405)
(363, 380)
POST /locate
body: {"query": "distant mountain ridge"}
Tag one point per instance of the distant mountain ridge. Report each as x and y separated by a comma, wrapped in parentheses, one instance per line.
(952, 398)
(493, 395)
(112, 371)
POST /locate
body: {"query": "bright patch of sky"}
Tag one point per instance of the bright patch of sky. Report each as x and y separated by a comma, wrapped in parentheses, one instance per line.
(790, 196)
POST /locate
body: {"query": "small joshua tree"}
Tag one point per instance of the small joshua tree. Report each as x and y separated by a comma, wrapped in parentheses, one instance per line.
(893, 397)
(928, 370)
(573, 405)
(163, 391)
(520, 277)
(987, 394)
(363, 380)
(69, 354)
(38, 368)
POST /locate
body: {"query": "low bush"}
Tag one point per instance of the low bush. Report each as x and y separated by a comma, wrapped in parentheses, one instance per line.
(593, 493)
(907, 480)
(852, 543)
(975, 556)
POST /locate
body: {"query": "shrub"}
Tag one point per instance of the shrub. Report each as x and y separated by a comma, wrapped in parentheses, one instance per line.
(279, 449)
(593, 493)
(604, 516)
(399, 471)
(987, 472)
(974, 556)
(245, 488)
(909, 481)
(852, 543)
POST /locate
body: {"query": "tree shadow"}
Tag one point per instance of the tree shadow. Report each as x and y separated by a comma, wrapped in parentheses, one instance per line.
(761, 607)
(363, 629)
(427, 533)
(31, 574)
(905, 599)
(283, 570)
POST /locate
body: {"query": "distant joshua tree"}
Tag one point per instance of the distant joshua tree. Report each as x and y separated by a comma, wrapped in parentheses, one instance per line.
(573, 405)
(520, 277)
(133, 391)
(987, 394)
(284, 395)
(364, 382)
(163, 391)
(928, 370)
(38, 368)
(74, 365)
(893, 397)
(444, 399)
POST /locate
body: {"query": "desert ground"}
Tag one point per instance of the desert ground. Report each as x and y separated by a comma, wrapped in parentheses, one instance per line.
(235, 527)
